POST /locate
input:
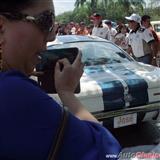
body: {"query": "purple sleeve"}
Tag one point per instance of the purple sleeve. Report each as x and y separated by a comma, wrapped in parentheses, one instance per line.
(29, 119)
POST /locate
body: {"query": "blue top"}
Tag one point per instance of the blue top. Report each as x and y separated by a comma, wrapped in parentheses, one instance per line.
(29, 119)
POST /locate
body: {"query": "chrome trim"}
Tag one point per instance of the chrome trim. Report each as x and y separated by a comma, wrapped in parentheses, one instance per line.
(124, 111)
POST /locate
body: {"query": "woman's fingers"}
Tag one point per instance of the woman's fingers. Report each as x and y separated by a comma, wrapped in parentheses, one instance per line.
(77, 61)
(64, 62)
(61, 63)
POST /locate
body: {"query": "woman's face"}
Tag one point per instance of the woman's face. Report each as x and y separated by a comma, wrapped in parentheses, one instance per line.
(96, 21)
(23, 41)
(133, 25)
(124, 30)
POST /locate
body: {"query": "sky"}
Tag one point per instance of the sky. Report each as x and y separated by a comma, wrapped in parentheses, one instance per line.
(66, 5)
(63, 5)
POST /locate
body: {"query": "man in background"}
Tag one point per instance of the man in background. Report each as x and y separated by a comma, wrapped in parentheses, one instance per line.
(141, 41)
(146, 23)
(99, 30)
(82, 29)
(112, 32)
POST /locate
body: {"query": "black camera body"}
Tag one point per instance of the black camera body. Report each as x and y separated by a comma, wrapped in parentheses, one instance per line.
(47, 66)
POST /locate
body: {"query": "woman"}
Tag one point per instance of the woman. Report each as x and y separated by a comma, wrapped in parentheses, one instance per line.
(121, 38)
(29, 117)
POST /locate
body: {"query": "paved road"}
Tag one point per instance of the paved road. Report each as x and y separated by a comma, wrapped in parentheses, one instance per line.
(145, 134)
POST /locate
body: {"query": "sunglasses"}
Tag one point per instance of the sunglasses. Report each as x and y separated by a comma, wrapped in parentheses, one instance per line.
(44, 21)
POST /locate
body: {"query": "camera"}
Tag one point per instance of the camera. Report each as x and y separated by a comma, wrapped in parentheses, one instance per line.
(47, 66)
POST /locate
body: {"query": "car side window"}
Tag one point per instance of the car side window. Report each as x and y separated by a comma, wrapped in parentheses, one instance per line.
(157, 27)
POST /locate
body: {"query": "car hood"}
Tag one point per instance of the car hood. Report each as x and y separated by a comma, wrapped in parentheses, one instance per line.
(122, 85)
(111, 87)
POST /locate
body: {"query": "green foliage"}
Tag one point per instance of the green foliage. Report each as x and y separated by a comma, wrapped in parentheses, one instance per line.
(81, 14)
(65, 17)
(115, 10)
(78, 15)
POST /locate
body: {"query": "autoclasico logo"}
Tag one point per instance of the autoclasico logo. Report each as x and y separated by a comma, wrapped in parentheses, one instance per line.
(129, 155)
(112, 156)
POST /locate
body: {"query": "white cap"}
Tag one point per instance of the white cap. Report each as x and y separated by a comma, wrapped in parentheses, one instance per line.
(134, 17)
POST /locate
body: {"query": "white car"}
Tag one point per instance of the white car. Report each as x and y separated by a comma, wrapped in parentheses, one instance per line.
(114, 87)
(156, 27)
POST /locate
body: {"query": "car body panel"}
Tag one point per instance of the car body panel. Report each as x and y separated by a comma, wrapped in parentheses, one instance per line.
(156, 27)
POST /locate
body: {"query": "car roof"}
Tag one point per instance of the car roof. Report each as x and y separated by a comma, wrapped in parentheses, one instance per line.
(75, 38)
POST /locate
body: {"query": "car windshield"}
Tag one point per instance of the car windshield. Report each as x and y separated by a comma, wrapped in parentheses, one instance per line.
(157, 27)
(98, 53)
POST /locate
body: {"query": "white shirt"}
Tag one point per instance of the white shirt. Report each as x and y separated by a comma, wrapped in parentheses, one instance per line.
(73, 30)
(111, 34)
(101, 32)
(138, 40)
(123, 40)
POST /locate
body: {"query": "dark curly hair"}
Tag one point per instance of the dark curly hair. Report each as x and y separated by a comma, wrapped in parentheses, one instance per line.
(15, 5)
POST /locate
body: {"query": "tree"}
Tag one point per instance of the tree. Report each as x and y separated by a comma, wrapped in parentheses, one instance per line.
(93, 4)
(131, 6)
(64, 18)
(154, 3)
(115, 10)
(79, 3)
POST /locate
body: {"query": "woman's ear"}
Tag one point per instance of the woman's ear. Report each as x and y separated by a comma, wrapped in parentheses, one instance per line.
(2, 28)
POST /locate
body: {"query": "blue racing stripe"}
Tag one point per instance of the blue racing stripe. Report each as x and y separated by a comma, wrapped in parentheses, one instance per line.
(113, 92)
(137, 86)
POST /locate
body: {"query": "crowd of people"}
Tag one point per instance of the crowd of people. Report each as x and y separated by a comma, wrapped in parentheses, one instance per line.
(137, 37)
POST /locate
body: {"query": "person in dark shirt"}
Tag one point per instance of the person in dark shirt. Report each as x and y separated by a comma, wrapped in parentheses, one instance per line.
(29, 118)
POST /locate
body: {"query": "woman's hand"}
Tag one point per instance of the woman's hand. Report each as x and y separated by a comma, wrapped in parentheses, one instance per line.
(67, 79)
